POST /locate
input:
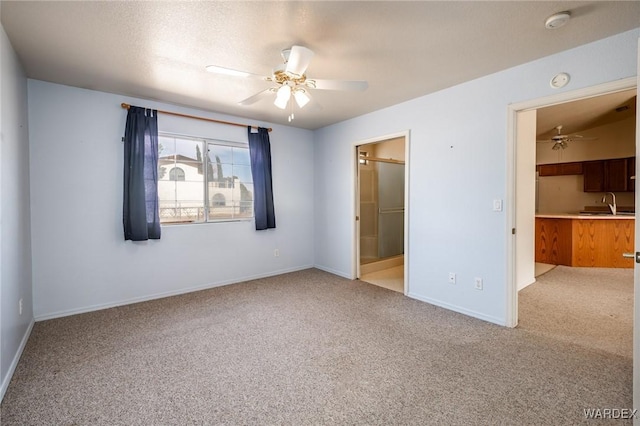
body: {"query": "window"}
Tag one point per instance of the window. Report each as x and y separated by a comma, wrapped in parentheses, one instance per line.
(188, 194)
(176, 174)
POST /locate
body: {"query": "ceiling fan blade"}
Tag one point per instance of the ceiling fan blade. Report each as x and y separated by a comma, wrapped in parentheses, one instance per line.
(299, 60)
(580, 138)
(350, 85)
(234, 73)
(258, 96)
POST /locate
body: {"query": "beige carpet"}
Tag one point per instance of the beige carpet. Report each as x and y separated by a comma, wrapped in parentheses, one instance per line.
(589, 307)
(305, 348)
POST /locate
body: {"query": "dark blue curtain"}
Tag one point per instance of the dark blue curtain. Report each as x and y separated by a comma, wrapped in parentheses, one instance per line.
(260, 151)
(140, 216)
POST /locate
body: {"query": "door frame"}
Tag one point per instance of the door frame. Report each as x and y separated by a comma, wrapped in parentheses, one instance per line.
(355, 264)
(513, 110)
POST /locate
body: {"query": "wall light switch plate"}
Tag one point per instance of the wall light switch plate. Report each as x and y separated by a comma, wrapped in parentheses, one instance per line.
(497, 205)
(478, 283)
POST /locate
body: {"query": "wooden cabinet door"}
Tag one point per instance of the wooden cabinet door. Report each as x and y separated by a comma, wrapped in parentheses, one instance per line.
(553, 241)
(548, 169)
(615, 175)
(560, 169)
(593, 176)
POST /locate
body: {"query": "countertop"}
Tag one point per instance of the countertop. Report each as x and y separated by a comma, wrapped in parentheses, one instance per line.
(586, 216)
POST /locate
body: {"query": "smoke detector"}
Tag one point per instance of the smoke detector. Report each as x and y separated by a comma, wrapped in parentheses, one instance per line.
(557, 20)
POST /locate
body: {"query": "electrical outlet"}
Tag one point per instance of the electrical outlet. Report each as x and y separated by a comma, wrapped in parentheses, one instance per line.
(478, 283)
(20, 306)
(452, 277)
(276, 253)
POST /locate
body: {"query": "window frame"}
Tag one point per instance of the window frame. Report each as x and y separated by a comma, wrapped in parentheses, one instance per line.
(204, 143)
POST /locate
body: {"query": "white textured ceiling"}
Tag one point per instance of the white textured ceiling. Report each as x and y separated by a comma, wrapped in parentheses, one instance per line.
(158, 50)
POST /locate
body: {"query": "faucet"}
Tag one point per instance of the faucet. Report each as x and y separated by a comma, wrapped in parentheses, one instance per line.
(612, 207)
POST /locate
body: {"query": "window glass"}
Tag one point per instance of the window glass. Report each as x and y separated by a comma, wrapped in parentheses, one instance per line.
(188, 195)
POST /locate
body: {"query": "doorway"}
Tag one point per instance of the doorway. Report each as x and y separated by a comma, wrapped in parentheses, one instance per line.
(381, 196)
(523, 185)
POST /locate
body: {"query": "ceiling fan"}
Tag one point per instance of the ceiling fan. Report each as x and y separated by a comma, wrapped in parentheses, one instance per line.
(560, 140)
(290, 80)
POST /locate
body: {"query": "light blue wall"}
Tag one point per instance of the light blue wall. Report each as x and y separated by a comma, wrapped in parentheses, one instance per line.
(15, 234)
(80, 259)
(458, 166)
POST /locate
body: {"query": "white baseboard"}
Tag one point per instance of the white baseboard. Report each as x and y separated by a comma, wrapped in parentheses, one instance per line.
(14, 363)
(333, 271)
(82, 310)
(470, 313)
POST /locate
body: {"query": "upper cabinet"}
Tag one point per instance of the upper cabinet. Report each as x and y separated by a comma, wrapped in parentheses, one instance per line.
(612, 175)
(609, 175)
(560, 169)
(593, 176)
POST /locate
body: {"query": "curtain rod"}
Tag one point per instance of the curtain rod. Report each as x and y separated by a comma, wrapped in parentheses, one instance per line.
(195, 117)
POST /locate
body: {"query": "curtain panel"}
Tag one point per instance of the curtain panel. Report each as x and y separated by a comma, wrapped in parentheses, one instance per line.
(260, 152)
(141, 218)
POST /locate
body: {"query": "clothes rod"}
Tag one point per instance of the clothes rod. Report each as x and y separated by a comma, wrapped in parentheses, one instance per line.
(382, 160)
(195, 117)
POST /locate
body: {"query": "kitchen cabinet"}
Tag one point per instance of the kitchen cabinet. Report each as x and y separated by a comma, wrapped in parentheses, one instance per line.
(593, 176)
(584, 241)
(560, 169)
(613, 175)
(553, 241)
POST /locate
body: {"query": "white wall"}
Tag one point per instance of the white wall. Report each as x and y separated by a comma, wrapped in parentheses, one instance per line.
(80, 259)
(15, 234)
(458, 167)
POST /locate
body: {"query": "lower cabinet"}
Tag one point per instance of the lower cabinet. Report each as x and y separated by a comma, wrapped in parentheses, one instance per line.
(584, 242)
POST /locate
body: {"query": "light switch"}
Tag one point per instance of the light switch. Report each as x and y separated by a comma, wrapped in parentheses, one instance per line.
(497, 205)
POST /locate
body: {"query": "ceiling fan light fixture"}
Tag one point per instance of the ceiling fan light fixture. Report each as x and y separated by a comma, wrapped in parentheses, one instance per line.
(282, 97)
(557, 20)
(301, 97)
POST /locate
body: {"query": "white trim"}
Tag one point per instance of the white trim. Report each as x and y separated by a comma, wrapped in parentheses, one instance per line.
(333, 271)
(162, 295)
(511, 300)
(407, 171)
(574, 95)
(455, 308)
(16, 359)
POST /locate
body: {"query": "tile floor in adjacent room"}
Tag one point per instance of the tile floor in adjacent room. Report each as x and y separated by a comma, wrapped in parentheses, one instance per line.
(392, 278)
